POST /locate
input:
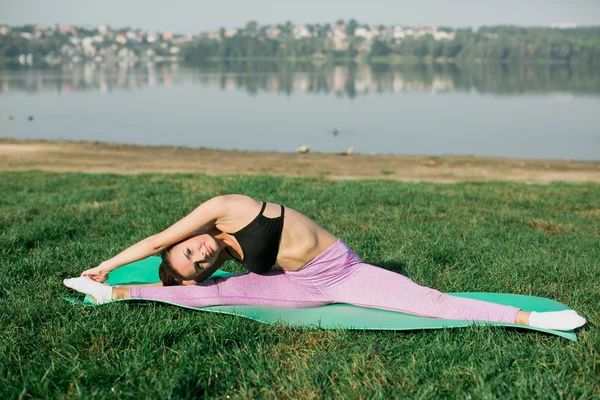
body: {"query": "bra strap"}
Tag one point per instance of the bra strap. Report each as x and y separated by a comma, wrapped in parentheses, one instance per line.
(263, 208)
(265, 205)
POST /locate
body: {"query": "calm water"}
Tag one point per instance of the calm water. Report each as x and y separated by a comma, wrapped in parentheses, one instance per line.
(526, 112)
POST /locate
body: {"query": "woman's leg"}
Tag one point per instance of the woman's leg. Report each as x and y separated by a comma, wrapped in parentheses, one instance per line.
(272, 289)
(341, 277)
(370, 286)
(325, 282)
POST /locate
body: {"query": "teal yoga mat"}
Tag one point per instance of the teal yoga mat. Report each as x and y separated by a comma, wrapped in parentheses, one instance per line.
(338, 315)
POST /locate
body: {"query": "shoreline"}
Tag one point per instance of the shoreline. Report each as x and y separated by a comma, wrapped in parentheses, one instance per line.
(99, 157)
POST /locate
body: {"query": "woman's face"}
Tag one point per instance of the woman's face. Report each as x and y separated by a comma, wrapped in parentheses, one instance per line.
(190, 257)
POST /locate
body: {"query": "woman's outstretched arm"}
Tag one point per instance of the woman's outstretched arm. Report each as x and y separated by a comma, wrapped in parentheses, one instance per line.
(122, 291)
(102, 292)
(208, 213)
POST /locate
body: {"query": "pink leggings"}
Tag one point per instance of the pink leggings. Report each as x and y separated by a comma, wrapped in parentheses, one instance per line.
(335, 276)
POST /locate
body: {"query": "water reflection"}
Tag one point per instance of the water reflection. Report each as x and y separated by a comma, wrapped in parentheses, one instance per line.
(340, 80)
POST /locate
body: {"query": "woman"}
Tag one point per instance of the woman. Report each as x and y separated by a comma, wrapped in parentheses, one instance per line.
(316, 269)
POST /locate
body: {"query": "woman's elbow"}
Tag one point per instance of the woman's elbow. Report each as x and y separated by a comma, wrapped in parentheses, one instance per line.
(155, 244)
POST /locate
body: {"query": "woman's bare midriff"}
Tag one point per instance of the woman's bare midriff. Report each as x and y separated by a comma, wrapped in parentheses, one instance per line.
(302, 238)
(301, 241)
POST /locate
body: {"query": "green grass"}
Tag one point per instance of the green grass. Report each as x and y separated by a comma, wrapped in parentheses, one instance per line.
(497, 237)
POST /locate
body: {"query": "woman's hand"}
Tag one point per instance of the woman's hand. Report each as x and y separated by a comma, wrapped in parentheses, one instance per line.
(99, 273)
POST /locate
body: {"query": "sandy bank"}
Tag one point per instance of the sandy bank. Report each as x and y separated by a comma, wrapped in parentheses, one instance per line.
(129, 159)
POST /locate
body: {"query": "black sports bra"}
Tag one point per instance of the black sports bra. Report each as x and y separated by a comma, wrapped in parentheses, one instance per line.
(259, 241)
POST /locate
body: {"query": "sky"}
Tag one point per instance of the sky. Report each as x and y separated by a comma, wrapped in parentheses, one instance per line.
(193, 16)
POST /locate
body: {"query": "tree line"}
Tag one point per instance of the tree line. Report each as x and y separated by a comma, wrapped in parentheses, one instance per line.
(506, 44)
(497, 44)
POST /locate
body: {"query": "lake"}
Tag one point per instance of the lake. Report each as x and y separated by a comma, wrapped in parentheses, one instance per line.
(539, 112)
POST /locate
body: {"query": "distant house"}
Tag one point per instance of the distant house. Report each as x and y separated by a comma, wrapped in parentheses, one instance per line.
(151, 37)
(442, 35)
(301, 31)
(42, 29)
(67, 29)
(423, 30)
(120, 38)
(167, 36)
(564, 25)
(339, 31)
(398, 33)
(88, 48)
(230, 33)
(363, 32)
(273, 32)
(340, 44)
(215, 35)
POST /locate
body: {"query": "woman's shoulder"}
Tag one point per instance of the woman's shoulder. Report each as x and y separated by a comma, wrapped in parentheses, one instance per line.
(234, 197)
(237, 202)
(237, 209)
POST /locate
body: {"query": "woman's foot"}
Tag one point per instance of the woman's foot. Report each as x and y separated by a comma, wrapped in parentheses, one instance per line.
(100, 292)
(560, 320)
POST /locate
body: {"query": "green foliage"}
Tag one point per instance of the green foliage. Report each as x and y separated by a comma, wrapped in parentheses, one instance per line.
(537, 240)
(499, 44)
(380, 48)
(252, 28)
(351, 27)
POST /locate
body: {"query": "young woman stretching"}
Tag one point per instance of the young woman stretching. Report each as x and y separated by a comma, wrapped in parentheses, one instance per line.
(316, 269)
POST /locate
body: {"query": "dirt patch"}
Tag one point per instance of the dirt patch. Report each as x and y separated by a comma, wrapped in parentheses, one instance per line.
(13, 148)
(130, 159)
(593, 213)
(549, 227)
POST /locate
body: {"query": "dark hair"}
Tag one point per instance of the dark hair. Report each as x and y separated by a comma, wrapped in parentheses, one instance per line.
(166, 272)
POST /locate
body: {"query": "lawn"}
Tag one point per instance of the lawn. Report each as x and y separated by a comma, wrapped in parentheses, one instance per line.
(541, 240)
